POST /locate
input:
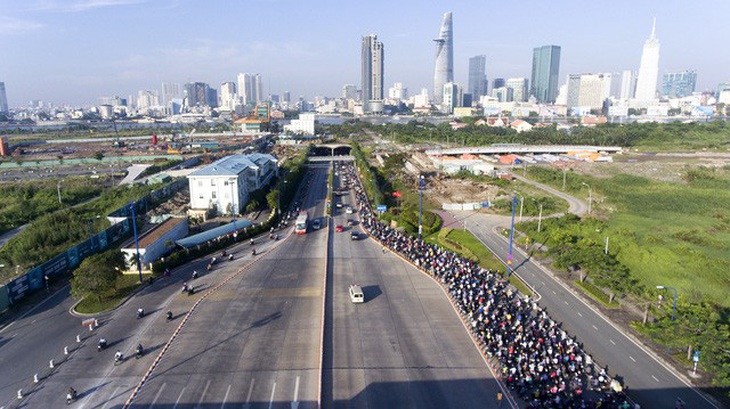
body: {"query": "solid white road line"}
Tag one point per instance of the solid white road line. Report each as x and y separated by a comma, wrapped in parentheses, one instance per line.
(179, 397)
(250, 390)
(110, 397)
(271, 399)
(159, 392)
(225, 398)
(200, 401)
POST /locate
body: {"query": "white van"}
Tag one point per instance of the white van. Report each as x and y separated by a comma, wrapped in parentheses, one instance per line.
(356, 295)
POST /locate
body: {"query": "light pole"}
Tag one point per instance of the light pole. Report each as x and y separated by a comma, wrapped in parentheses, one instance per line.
(522, 204)
(539, 219)
(421, 183)
(590, 196)
(233, 207)
(136, 241)
(511, 235)
(58, 190)
(674, 304)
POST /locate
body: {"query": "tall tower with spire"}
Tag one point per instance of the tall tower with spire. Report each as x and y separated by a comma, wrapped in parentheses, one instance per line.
(646, 83)
(444, 70)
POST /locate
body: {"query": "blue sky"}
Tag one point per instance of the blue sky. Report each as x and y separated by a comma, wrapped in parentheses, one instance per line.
(73, 51)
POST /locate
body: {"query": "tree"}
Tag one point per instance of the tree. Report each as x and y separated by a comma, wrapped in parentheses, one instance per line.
(97, 275)
(99, 155)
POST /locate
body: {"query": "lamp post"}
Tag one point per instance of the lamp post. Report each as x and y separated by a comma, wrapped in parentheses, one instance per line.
(233, 207)
(539, 219)
(590, 196)
(421, 183)
(511, 235)
(136, 241)
(522, 204)
(674, 304)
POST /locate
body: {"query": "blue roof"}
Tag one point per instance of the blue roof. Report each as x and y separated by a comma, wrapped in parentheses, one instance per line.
(228, 166)
(194, 240)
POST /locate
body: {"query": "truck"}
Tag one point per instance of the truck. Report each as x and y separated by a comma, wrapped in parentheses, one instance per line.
(300, 227)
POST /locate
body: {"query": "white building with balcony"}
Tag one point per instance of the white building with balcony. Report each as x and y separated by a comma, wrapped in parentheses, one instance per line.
(226, 184)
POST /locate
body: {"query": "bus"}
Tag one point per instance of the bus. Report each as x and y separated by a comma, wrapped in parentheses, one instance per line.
(301, 224)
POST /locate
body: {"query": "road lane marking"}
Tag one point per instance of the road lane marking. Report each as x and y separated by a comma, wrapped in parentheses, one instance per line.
(632, 358)
(655, 378)
(595, 327)
(225, 398)
(271, 399)
(200, 401)
(110, 397)
(580, 314)
(566, 303)
(555, 292)
(179, 397)
(296, 390)
(159, 392)
(611, 341)
(250, 390)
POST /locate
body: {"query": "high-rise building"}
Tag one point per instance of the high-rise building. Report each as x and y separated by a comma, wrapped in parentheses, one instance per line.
(723, 93)
(147, 99)
(249, 88)
(3, 99)
(545, 72)
(588, 91)
(498, 83)
(373, 70)
(170, 91)
(398, 91)
(287, 97)
(228, 96)
(646, 82)
(503, 94)
(349, 91)
(628, 85)
(444, 70)
(519, 89)
(211, 97)
(453, 95)
(477, 76)
(679, 84)
(196, 94)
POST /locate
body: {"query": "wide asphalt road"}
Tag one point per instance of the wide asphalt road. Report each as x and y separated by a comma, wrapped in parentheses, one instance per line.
(405, 346)
(651, 383)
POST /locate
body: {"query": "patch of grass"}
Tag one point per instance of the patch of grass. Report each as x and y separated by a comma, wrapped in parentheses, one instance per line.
(126, 285)
(597, 294)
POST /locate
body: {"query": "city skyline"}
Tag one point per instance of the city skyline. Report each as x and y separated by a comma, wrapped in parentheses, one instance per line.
(74, 52)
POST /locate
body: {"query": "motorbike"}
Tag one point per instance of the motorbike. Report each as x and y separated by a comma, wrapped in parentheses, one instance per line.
(118, 357)
(140, 351)
(140, 313)
(223, 253)
(253, 252)
(101, 345)
(185, 287)
(71, 395)
(230, 257)
(251, 242)
(191, 290)
(169, 315)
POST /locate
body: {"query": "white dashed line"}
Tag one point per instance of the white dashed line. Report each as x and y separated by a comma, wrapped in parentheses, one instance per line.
(566, 303)
(225, 398)
(555, 292)
(250, 389)
(595, 327)
(159, 392)
(655, 378)
(579, 314)
(179, 397)
(611, 341)
(632, 358)
(273, 390)
(200, 402)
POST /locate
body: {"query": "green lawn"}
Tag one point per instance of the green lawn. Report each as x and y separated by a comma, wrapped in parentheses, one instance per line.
(126, 285)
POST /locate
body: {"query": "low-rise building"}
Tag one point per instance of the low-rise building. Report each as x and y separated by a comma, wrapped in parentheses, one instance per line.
(156, 242)
(226, 184)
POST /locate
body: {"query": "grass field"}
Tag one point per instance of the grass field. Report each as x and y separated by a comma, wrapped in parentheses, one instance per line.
(126, 285)
(671, 234)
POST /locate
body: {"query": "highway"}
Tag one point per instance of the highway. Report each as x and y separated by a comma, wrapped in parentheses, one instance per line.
(651, 383)
(405, 346)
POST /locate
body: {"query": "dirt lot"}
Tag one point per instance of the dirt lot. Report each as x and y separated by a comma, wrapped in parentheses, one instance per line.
(666, 167)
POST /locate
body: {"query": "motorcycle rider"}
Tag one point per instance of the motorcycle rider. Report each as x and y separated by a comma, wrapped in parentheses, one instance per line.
(139, 350)
(71, 394)
(118, 357)
(169, 315)
(140, 312)
(102, 343)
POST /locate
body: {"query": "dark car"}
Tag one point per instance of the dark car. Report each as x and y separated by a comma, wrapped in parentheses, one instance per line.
(354, 235)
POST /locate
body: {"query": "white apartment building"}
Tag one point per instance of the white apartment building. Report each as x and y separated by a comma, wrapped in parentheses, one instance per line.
(398, 92)
(588, 91)
(227, 183)
(303, 125)
(519, 89)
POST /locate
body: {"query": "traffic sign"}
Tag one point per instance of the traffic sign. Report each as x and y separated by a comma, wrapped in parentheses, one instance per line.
(382, 208)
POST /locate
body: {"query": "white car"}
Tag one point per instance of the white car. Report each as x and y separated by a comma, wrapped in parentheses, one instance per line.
(348, 210)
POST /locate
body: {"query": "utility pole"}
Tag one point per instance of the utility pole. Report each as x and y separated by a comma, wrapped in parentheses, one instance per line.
(58, 190)
(539, 223)
(421, 182)
(605, 251)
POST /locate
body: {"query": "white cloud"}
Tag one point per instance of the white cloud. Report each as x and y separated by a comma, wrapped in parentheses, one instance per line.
(80, 5)
(13, 26)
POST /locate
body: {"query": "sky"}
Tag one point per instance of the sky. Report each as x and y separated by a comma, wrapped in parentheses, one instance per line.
(75, 51)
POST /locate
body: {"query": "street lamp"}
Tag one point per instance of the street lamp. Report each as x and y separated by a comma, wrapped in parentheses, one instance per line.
(136, 240)
(233, 207)
(511, 235)
(674, 304)
(522, 204)
(590, 196)
(421, 183)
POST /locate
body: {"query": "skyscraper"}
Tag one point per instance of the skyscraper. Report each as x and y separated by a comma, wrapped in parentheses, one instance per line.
(373, 69)
(249, 88)
(453, 95)
(170, 91)
(444, 70)
(196, 93)
(228, 96)
(519, 89)
(3, 99)
(648, 70)
(628, 85)
(477, 76)
(679, 84)
(545, 71)
(588, 91)
(498, 83)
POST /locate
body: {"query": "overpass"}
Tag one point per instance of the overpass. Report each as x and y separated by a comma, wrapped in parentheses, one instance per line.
(503, 149)
(348, 158)
(331, 149)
